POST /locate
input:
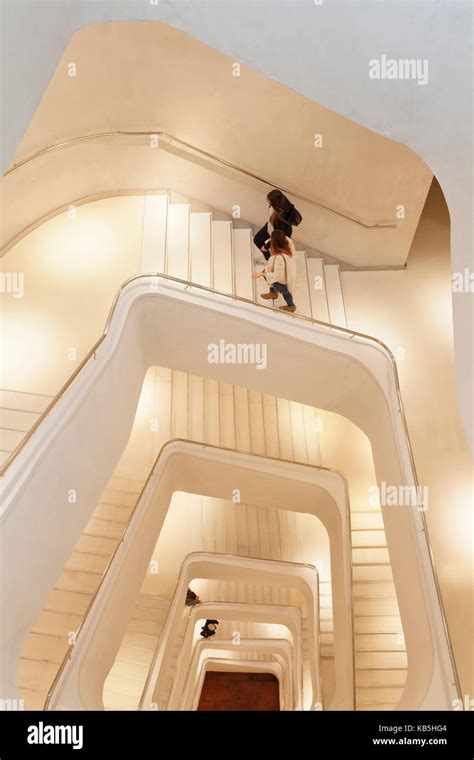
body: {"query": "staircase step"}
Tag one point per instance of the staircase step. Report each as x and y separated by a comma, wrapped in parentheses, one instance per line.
(150, 614)
(195, 408)
(370, 555)
(220, 514)
(140, 641)
(242, 422)
(381, 660)
(86, 563)
(162, 402)
(177, 240)
(211, 411)
(301, 295)
(27, 402)
(270, 425)
(145, 627)
(16, 419)
(385, 678)
(298, 432)
(125, 485)
(252, 532)
(179, 413)
(369, 539)
(372, 573)
(274, 539)
(118, 498)
(285, 550)
(155, 209)
(337, 314)
(111, 512)
(36, 674)
(378, 696)
(43, 647)
(117, 701)
(71, 580)
(367, 520)
(311, 434)
(264, 542)
(257, 434)
(208, 525)
(382, 642)
(221, 246)
(295, 555)
(374, 590)
(200, 247)
(58, 624)
(153, 602)
(326, 650)
(317, 289)
(9, 439)
(128, 687)
(131, 669)
(260, 285)
(242, 246)
(284, 429)
(364, 506)
(103, 547)
(226, 415)
(377, 607)
(34, 698)
(67, 602)
(231, 529)
(377, 624)
(104, 528)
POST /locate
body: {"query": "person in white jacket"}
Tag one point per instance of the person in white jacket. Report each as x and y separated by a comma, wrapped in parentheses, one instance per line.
(280, 272)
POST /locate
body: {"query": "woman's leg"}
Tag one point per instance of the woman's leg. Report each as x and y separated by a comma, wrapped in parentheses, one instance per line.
(283, 289)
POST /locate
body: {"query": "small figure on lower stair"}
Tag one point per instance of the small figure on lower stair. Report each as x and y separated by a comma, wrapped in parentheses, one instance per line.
(192, 598)
(209, 629)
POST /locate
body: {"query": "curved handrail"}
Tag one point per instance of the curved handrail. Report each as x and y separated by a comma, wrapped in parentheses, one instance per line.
(222, 556)
(218, 159)
(334, 328)
(201, 444)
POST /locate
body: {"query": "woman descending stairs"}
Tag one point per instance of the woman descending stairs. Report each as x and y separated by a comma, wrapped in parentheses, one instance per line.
(193, 246)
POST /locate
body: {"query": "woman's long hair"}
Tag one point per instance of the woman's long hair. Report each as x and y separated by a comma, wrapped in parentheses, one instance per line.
(277, 201)
(279, 243)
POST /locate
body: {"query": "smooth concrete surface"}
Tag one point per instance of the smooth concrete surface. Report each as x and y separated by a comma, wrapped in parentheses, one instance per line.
(412, 311)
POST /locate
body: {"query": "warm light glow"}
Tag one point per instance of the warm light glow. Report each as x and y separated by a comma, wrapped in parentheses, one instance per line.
(28, 341)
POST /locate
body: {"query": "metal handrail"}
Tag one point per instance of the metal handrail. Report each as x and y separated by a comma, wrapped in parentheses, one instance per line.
(334, 328)
(367, 224)
(201, 445)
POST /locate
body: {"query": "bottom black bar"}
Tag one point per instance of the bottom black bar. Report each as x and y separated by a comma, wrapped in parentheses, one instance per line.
(382, 734)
